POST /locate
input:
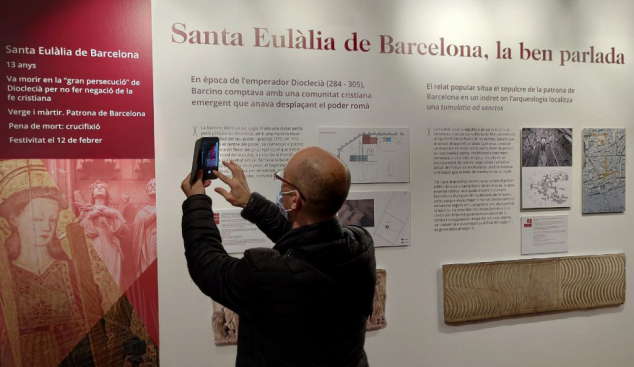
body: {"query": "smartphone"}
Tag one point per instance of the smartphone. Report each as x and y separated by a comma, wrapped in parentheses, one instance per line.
(205, 158)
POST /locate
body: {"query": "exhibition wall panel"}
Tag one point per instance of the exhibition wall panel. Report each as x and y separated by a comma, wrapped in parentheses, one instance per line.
(475, 131)
(461, 79)
(78, 274)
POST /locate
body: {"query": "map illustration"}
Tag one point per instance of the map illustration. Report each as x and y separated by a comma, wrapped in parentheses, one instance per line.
(603, 171)
(385, 214)
(550, 189)
(372, 155)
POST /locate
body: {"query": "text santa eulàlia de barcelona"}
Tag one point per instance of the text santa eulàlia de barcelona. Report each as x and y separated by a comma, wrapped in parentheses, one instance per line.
(312, 39)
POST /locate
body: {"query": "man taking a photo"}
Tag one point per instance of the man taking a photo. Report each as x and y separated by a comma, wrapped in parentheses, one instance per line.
(306, 301)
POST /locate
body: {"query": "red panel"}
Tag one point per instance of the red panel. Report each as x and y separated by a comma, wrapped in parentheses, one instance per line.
(104, 25)
(143, 295)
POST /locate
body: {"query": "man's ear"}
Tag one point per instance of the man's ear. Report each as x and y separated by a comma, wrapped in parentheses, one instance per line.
(297, 201)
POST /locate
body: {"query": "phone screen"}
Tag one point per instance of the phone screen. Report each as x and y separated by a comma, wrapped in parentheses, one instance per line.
(209, 151)
(206, 158)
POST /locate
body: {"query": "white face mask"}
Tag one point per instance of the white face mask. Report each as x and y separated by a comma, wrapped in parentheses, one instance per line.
(283, 210)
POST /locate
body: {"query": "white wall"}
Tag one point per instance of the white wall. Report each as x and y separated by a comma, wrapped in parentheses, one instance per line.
(416, 334)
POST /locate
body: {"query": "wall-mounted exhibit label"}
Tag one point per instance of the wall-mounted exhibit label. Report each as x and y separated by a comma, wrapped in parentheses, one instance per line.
(238, 234)
(447, 97)
(385, 214)
(76, 84)
(304, 95)
(472, 150)
(603, 171)
(474, 179)
(546, 168)
(544, 234)
(77, 150)
(372, 154)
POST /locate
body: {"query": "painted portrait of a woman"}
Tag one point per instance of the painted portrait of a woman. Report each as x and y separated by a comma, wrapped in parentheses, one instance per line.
(41, 316)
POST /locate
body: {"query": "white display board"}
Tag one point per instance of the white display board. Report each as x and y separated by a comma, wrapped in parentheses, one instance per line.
(545, 234)
(238, 234)
(464, 77)
(385, 214)
(372, 155)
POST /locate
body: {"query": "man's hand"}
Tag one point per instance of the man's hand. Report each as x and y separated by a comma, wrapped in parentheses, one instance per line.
(197, 188)
(240, 193)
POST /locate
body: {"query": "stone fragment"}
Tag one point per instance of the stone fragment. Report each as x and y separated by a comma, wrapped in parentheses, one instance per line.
(483, 291)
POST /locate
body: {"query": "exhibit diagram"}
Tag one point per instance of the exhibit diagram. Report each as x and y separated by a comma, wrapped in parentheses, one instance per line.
(546, 168)
(385, 214)
(603, 174)
(373, 155)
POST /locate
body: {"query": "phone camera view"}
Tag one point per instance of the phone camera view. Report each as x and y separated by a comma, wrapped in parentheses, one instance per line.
(209, 156)
(206, 158)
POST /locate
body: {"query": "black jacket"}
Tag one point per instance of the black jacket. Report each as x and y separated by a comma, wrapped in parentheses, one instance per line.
(303, 303)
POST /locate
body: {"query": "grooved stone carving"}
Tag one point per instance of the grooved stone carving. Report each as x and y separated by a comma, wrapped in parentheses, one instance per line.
(482, 291)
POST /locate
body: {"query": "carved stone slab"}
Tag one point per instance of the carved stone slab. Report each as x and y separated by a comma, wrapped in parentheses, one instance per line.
(225, 322)
(482, 291)
(377, 318)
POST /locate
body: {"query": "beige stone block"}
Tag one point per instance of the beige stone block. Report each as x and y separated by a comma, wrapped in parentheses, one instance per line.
(483, 291)
(377, 318)
(225, 324)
